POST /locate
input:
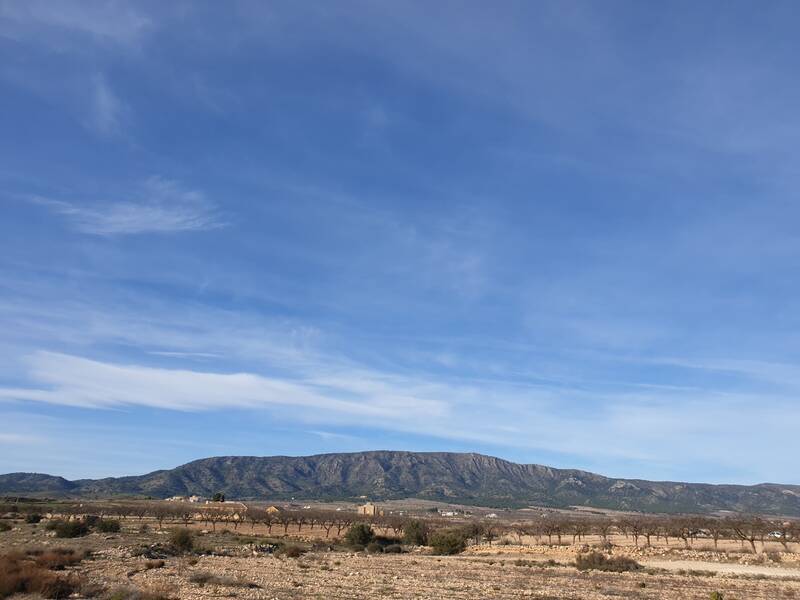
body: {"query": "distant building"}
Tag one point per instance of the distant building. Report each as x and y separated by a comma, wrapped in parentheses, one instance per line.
(370, 510)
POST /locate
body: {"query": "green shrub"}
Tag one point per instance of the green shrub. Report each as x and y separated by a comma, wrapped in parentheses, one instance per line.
(415, 533)
(448, 541)
(374, 548)
(182, 540)
(33, 518)
(598, 561)
(108, 526)
(5, 526)
(91, 520)
(716, 596)
(68, 529)
(359, 534)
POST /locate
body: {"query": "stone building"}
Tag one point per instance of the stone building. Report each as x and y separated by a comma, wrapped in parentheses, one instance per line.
(370, 510)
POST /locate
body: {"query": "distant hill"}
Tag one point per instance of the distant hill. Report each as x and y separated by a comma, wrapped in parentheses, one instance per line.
(452, 477)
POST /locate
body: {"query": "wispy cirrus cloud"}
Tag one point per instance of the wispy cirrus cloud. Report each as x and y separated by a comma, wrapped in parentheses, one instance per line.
(644, 424)
(113, 20)
(165, 207)
(106, 109)
(76, 381)
(16, 439)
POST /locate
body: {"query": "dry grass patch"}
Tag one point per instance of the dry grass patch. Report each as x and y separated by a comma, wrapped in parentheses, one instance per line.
(20, 574)
(151, 593)
(204, 578)
(56, 559)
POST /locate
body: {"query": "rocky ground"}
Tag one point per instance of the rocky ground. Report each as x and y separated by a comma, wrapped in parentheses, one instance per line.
(337, 575)
(227, 566)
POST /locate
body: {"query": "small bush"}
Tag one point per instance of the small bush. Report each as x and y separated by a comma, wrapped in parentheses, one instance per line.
(448, 541)
(33, 518)
(182, 540)
(359, 534)
(57, 558)
(91, 520)
(393, 549)
(91, 590)
(68, 529)
(415, 533)
(596, 561)
(154, 564)
(156, 551)
(129, 593)
(21, 575)
(109, 526)
(374, 548)
(4, 527)
(291, 551)
(204, 578)
(716, 596)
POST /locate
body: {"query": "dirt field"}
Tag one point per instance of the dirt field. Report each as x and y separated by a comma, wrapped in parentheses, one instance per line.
(228, 564)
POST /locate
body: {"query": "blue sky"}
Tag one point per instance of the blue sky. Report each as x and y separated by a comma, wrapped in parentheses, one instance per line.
(556, 232)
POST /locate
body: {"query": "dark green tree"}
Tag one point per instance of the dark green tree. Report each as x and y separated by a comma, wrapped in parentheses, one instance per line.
(359, 534)
(415, 532)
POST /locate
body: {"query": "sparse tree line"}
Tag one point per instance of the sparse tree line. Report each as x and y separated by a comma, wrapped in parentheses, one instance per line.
(552, 528)
(644, 530)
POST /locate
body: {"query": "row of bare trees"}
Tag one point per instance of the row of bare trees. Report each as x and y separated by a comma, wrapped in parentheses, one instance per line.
(552, 527)
(643, 530)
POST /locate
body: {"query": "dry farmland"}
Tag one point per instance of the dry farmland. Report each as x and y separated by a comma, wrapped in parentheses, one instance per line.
(158, 550)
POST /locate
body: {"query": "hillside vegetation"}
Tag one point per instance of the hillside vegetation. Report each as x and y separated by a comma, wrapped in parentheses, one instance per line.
(454, 477)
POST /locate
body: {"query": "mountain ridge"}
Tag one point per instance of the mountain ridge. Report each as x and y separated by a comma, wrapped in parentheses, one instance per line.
(461, 478)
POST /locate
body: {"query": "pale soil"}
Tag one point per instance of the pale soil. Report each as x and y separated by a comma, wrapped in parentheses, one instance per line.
(486, 571)
(686, 565)
(423, 577)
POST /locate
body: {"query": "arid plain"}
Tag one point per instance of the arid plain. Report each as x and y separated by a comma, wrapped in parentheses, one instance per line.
(156, 551)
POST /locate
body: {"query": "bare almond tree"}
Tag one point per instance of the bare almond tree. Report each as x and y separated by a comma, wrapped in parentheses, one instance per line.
(749, 529)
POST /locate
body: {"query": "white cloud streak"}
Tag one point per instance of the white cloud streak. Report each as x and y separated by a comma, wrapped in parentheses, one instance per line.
(75, 381)
(115, 20)
(106, 108)
(17, 439)
(166, 207)
(644, 426)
